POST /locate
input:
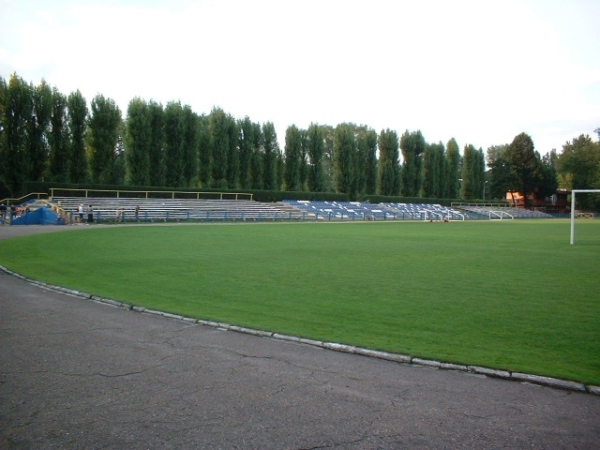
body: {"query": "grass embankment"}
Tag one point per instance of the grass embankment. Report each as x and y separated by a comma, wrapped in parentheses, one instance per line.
(512, 295)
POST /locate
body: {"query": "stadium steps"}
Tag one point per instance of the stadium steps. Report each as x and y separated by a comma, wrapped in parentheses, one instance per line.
(157, 209)
(500, 212)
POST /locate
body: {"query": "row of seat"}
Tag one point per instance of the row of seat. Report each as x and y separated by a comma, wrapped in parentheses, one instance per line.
(170, 209)
(506, 212)
(382, 211)
(338, 210)
(156, 209)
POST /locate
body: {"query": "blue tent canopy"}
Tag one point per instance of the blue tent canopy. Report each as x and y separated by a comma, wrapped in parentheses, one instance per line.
(41, 216)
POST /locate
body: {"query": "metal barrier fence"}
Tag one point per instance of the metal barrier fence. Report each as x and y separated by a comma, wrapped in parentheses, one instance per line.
(89, 193)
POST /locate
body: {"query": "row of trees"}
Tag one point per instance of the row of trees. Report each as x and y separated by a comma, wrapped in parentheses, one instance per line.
(49, 136)
(578, 167)
(517, 167)
(46, 135)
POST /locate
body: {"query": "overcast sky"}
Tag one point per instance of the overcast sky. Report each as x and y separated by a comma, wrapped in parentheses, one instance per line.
(479, 71)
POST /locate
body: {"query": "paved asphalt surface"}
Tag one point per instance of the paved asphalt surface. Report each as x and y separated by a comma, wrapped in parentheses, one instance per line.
(76, 374)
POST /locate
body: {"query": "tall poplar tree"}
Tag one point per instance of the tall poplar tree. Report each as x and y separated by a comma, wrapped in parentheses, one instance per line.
(174, 132)
(204, 151)
(293, 151)
(440, 176)
(60, 145)
(279, 169)
(16, 160)
(246, 147)
(220, 126)
(77, 121)
(303, 169)
(271, 149)
(413, 146)
(328, 163)
(138, 138)
(105, 128)
(316, 149)
(389, 164)
(118, 172)
(452, 166)
(156, 149)
(190, 147)
(256, 176)
(468, 189)
(345, 159)
(473, 171)
(366, 141)
(433, 171)
(233, 158)
(39, 126)
(480, 174)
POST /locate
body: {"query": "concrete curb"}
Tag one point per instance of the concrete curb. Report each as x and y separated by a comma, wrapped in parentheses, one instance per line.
(489, 372)
(555, 383)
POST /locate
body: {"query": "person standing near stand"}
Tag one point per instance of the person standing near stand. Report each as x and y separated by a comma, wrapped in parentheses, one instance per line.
(90, 214)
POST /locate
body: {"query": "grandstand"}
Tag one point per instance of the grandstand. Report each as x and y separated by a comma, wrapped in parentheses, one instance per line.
(322, 210)
(426, 211)
(508, 212)
(123, 209)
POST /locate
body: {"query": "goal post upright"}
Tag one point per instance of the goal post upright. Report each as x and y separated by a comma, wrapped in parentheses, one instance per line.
(574, 192)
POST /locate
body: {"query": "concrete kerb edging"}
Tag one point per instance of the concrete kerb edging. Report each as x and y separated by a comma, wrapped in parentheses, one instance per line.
(394, 357)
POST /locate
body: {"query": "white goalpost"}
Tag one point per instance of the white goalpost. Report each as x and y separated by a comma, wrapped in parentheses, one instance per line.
(574, 192)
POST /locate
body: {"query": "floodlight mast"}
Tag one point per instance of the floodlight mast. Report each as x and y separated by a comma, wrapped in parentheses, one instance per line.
(573, 194)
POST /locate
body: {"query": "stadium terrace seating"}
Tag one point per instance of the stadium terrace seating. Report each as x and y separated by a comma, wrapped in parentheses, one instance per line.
(496, 213)
(425, 211)
(111, 209)
(321, 210)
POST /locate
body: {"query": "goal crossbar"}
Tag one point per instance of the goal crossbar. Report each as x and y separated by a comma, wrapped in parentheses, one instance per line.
(574, 192)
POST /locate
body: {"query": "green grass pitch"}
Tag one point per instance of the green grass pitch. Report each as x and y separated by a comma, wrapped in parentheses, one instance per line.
(510, 295)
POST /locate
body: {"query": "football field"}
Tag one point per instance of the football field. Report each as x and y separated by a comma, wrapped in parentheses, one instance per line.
(509, 295)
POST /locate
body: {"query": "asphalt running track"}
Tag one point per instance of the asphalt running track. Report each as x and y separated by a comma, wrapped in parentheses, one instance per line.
(76, 374)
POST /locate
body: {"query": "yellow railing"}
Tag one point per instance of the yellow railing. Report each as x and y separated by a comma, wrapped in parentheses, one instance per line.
(61, 212)
(148, 194)
(14, 201)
